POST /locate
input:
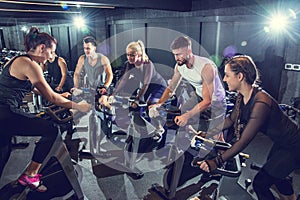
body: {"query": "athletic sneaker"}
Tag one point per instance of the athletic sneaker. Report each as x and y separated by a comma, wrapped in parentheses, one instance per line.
(33, 182)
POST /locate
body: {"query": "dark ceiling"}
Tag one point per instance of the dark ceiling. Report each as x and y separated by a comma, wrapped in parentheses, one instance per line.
(45, 10)
(56, 9)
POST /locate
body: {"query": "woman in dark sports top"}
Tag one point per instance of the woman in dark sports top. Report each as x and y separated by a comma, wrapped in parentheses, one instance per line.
(57, 69)
(256, 111)
(20, 76)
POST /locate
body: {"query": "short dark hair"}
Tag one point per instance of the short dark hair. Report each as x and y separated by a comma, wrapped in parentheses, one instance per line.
(180, 42)
(90, 39)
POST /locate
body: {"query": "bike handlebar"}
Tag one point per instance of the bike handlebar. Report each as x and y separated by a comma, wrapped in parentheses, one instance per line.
(288, 107)
(104, 110)
(55, 113)
(140, 104)
(231, 168)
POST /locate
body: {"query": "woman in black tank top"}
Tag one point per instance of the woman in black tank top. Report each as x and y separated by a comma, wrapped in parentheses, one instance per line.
(57, 69)
(19, 77)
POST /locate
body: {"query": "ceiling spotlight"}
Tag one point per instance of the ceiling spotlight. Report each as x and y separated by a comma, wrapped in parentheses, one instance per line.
(79, 22)
(278, 22)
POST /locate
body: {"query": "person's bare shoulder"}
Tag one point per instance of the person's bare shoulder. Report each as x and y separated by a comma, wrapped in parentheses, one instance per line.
(105, 61)
(61, 60)
(80, 60)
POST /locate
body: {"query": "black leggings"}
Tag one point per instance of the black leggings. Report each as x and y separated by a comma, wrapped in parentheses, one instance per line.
(22, 124)
(263, 181)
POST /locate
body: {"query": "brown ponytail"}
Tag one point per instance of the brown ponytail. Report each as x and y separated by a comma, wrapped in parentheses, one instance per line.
(237, 128)
(34, 38)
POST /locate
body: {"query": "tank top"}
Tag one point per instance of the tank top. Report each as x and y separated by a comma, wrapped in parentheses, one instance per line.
(193, 76)
(13, 90)
(54, 71)
(94, 73)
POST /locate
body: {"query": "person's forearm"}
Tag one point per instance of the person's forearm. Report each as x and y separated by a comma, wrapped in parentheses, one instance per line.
(76, 82)
(121, 83)
(142, 92)
(62, 81)
(120, 86)
(108, 80)
(198, 108)
(59, 100)
(168, 93)
(36, 91)
(227, 123)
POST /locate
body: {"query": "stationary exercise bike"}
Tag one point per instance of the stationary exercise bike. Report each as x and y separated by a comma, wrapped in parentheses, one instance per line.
(185, 167)
(179, 170)
(262, 143)
(120, 157)
(61, 176)
(178, 154)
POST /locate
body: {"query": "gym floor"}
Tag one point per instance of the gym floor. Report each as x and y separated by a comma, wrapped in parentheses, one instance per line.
(123, 187)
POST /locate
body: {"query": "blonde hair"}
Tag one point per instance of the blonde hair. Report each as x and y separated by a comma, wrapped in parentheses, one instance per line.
(139, 48)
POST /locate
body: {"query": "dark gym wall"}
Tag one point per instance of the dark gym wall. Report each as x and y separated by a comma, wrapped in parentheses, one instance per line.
(68, 36)
(215, 30)
(61, 33)
(215, 34)
(14, 37)
(211, 36)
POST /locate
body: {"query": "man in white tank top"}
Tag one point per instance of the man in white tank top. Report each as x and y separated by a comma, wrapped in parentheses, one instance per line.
(203, 75)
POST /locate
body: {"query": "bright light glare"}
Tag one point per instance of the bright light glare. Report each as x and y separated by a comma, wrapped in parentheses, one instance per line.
(267, 29)
(244, 43)
(281, 22)
(24, 29)
(292, 14)
(79, 22)
(278, 22)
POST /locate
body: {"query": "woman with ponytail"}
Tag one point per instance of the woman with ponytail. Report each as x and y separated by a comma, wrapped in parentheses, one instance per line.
(151, 84)
(142, 69)
(256, 111)
(20, 76)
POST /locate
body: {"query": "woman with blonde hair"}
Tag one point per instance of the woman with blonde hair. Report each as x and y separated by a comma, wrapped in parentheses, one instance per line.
(140, 67)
